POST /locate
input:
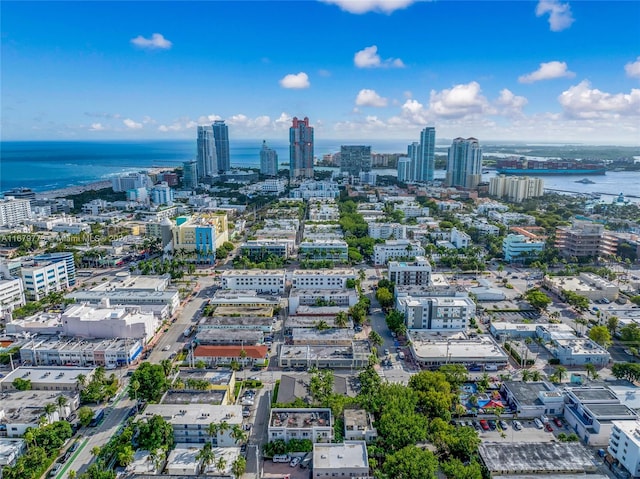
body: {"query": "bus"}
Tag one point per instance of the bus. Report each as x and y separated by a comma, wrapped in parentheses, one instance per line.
(97, 417)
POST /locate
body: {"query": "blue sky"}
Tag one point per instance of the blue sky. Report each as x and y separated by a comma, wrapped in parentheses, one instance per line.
(539, 71)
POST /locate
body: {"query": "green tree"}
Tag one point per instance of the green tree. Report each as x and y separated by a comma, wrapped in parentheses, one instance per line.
(601, 335)
(395, 321)
(537, 299)
(342, 319)
(206, 455)
(560, 372)
(152, 380)
(591, 371)
(125, 455)
(456, 469)
(85, 415)
(22, 384)
(239, 467)
(154, 433)
(630, 335)
(628, 371)
(455, 374)
(384, 297)
(411, 462)
(375, 338)
(612, 325)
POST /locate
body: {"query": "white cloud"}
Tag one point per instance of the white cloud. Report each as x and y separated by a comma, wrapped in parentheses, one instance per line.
(510, 105)
(364, 6)
(368, 97)
(283, 121)
(560, 17)
(369, 58)
(547, 71)
(181, 124)
(299, 81)
(583, 102)
(97, 127)
(324, 73)
(459, 102)
(129, 123)
(147, 120)
(206, 119)
(157, 41)
(633, 68)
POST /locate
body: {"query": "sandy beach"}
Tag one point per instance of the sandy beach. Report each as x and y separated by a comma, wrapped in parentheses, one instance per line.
(95, 185)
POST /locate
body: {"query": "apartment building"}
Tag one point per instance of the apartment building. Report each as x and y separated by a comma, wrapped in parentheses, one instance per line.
(348, 459)
(519, 247)
(416, 273)
(322, 278)
(391, 249)
(262, 281)
(624, 445)
(438, 312)
(315, 424)
(387, 230)
(11, 295)
(584, 239)
(41, 278)
(332, 250)
(190, 422)
(14, 212)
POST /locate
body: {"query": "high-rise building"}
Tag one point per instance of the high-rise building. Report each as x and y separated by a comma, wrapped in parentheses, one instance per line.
(413, 152)
(426, 155)
(190, 174)
(14, 212)
(301, 149)
(355, 159)
(464, 165)
(206, 159)
(221, 135)
(130, 181)
(268, 161)
(162, 194)
(516, 188)
(404, 169)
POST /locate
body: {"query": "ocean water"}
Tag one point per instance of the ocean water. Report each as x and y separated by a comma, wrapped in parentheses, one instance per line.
(48, 165)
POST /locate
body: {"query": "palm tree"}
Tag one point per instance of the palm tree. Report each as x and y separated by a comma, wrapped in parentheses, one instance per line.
(95, 451)
(591, 371)
(62, 402)
(239, 466)
(375, 338)
(536, 376)
(342, 319)
(243, 357)
(206, 455)
(560, 372)
(82, 380)
(30, 437)
(237, 434)
(212, 430)
(166, 366)
(221, 464)
(49, 409)
(134, 386)
(223, 427)
(526, 375)
(72, 474)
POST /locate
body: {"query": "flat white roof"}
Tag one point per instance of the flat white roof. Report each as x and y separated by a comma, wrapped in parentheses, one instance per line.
(195, 413)
(62, 374)
(428, 345)
(349, 455)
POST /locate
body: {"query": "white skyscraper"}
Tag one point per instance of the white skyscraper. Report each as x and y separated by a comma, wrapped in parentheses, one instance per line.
(207, 159)
(268, 160)
(404, 169)
(464, 164)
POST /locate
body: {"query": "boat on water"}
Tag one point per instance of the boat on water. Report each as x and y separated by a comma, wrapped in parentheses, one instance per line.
(525, 166)
(586, 181)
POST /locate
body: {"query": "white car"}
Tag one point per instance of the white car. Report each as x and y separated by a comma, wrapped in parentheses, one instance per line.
(167, 347)
(538, 423)
(294, 462)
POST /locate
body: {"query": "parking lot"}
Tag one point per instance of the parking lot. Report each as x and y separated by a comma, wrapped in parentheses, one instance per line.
(280, 470)
(528, 433)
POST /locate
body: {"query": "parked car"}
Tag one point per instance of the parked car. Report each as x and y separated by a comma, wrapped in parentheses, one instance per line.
(503, 424)
(538, 423)
(492, 424)
(476, 425)
(516, 425)
(295, 461)
(386, 352)
(548, 427)
(558, 421)
(484, 424)
(73, 447)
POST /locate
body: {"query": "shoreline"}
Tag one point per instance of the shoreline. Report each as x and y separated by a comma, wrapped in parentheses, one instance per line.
(92, 186)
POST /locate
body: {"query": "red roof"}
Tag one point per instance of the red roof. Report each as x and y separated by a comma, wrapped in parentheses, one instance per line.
(253, 352)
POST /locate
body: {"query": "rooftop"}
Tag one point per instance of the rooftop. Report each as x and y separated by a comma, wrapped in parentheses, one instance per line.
(253, 352)
(594, 394)
(211, 396)
(349, 455)
(236, 321)
(312, 334)
(324, 272)
(296, 385)
(217, 378)
(527, 393)
(253, 272)
(195, 414)
(300, 418)
(631, 429)
(68, 375)
(10, 449)
(455, 346)
(320, 352)
(538, 457)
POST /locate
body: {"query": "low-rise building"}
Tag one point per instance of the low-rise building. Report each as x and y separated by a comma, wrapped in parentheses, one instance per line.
(574, 351)
(387, 230)
(437, 312)
(244, 299)
(332, 250)
(249, 355)
(433, 349)
(262, 324)
(533, 399)
(354, 356)
(110, 353)
(395, 249)
(321, 297)
(262, 248)
(624, 445)
(358, 426)
(20, 410)
(314, 424)
(41, 278)
(584, 239)
(313, 336)
(262, 281)
(590, 412)
(190, 422)
(322, 278)
(234, 336)
(11, 450)
(348, 459)
(405, 273)
(47, 378)
(519, 247)
(296, 386)
(589, 285)
(183, 460)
